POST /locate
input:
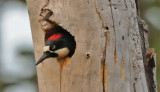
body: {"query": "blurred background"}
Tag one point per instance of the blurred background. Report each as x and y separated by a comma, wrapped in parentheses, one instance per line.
(17, 65)
(150, 12)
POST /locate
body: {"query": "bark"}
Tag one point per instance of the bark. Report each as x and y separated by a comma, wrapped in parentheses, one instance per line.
(112, 52)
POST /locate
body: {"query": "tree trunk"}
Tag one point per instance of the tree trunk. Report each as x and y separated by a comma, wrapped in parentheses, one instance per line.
(112, 53)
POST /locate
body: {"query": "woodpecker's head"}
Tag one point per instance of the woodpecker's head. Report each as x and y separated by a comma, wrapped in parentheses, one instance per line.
(54, 47)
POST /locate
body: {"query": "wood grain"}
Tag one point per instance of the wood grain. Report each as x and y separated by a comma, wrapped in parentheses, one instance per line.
(108, 57)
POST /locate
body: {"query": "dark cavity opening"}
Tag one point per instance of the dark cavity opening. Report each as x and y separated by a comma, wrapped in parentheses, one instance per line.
(51, 27)
(107, 28)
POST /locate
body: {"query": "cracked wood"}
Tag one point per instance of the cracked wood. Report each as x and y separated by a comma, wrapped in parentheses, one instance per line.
(109, 56)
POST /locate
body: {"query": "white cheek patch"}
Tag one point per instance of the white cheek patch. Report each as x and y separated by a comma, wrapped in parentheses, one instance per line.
(46, 48)
(62, 52)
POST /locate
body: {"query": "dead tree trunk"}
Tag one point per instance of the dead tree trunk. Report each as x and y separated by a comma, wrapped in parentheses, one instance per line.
(112, 52)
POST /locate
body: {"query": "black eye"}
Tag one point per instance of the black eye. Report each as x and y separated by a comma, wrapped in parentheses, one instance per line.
(53, 47)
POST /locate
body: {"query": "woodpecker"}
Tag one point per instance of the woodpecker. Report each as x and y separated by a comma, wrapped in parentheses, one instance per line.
(60, 44)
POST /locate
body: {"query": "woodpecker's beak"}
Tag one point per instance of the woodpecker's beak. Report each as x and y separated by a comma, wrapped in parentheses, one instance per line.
(44, 56)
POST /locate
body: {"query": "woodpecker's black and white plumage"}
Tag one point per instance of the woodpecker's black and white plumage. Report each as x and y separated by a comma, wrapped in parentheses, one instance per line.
(60, 44)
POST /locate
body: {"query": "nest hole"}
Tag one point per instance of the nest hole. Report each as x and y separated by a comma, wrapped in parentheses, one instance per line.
(55, 28)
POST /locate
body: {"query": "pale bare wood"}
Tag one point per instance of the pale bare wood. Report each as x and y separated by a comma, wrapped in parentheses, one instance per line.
(108, 57)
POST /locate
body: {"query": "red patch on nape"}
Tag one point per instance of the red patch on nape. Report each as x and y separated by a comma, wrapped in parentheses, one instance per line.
(55, 36)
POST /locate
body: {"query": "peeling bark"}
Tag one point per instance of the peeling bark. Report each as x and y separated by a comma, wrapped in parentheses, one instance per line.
(112, 52)
(148, 57)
